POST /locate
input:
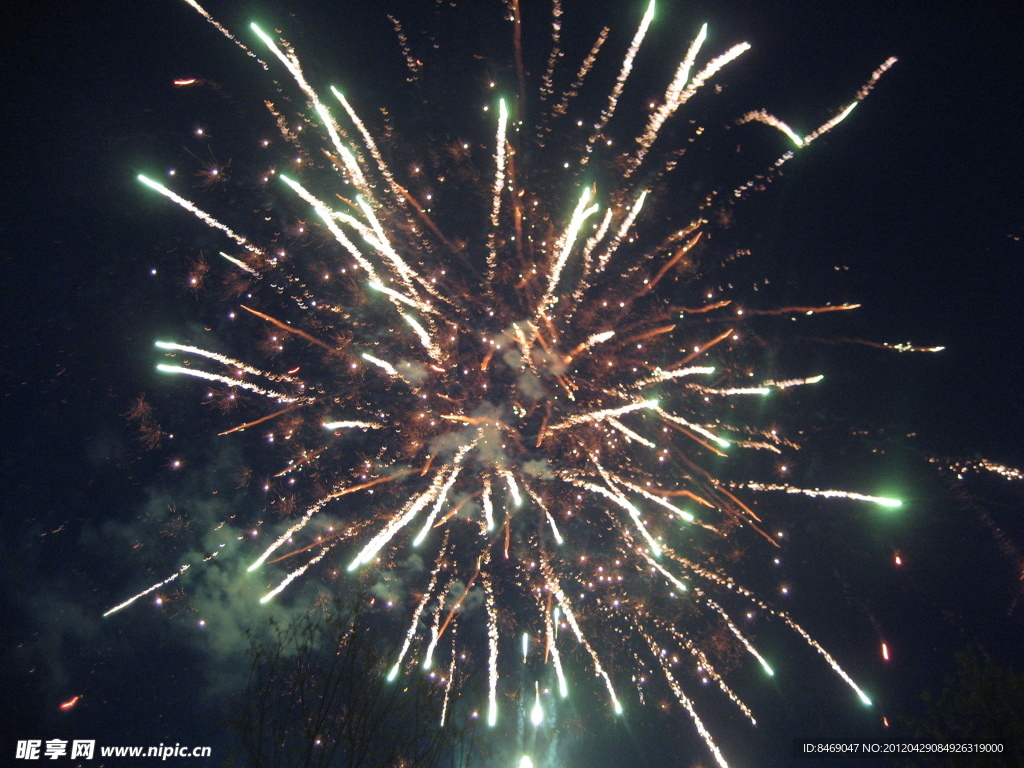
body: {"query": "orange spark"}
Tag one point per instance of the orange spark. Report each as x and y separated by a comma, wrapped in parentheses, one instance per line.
(651, 334)
(706, 308)
(300, 462)
(458, 602)
(288, 328)
(260, 420)
(704, 348)
(802, 310)
(673, 261)
(308, 546)
(371, 483)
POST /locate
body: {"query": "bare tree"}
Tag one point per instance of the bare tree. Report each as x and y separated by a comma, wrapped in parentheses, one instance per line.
(318, 697)
(982, 704)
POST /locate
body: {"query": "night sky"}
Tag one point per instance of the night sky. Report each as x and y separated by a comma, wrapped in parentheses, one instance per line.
(918, 199)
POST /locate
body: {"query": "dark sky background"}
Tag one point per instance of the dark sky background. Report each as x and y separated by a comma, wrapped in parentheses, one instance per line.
(918, 195)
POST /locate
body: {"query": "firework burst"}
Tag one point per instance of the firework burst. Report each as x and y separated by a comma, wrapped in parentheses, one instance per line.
(540, 406)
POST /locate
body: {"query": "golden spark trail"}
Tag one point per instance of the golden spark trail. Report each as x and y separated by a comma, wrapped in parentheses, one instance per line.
(428, 655)
(401, 297)
(620, 81)
(556, 660)
(602, 415)
(584, 70)
(455, 607)
(200, 214)
(492, 656)
(582, 212)
(279, 396)
(631, 509)
(708, 669)
(735, 631)
(701, 349)
(827, 657)
(620, 233)
(228, 361)
(442, 494)
(630, 434)
(326, 215)
(673, 419)
(393, 673)
(563, 603)
(670, 103)
(145, 592)
(660, 655)
(387, 367)
(763, 117)
(500, 145)
(298, 526)
(597, 338)
(659, 375)
(448, 683)
(816, 493)
(803, 310)
(556, 33)
(241, 265)
(223, 30)
(399, 521)
(319, 543)
(403, 271)
(364, 425)
(688, 517)
(738, 589)
(291, 63)
(513, 488)
(421, 333)
(488, 505)
(368, 141)
(588, 250)
(547, 513)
